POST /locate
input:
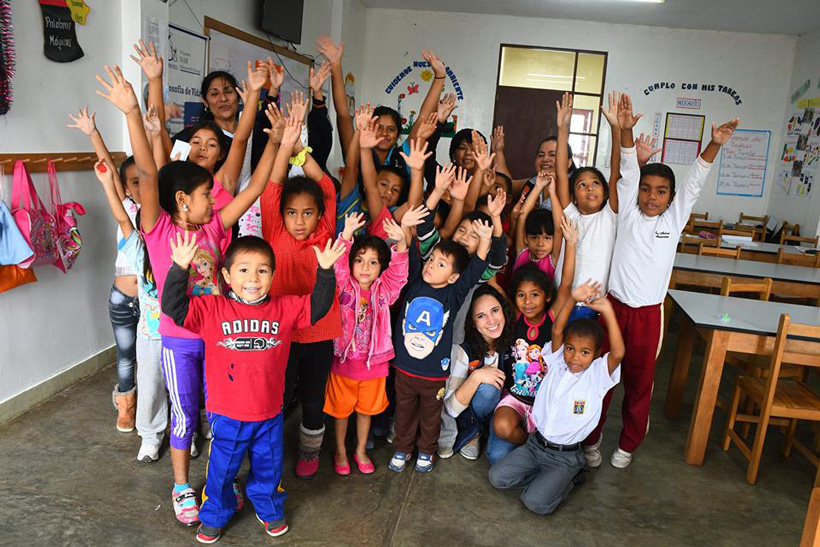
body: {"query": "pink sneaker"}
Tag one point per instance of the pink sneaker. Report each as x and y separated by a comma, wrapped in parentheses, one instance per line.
(186, 508)
(365, 468)
(340, 469)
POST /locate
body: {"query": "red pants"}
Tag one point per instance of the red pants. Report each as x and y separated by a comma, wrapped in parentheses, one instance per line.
(641, 330)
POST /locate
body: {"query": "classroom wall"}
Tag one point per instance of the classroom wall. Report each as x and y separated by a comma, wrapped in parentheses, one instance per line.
(797, 209)
(49, 326)
(757, 65)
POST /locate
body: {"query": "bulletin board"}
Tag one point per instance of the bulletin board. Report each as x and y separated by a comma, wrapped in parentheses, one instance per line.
(230, 49)
(743, 163)
(682, 138)
(798, 162)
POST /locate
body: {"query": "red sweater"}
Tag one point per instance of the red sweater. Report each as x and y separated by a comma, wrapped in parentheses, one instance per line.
(246, 351)
(296, 263)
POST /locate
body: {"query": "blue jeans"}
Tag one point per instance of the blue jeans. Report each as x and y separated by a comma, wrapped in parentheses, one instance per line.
(124, 312)
(497, 448)
(484, 400)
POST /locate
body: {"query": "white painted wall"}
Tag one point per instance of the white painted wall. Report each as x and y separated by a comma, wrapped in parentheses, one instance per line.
(757, 65)
(49, 326)
(806, 212)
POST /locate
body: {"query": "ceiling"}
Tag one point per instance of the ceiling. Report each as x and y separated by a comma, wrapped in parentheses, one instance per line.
(766, 16)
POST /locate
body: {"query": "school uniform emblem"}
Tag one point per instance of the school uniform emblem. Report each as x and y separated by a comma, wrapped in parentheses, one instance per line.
(578, 407)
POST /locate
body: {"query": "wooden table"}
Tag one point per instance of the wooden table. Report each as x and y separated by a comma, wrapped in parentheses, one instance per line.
(751, 329)
(749, 250)
(709, 271)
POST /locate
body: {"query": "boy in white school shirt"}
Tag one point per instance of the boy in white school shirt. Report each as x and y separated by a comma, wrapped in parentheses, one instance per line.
(652, 215)
(567, 406)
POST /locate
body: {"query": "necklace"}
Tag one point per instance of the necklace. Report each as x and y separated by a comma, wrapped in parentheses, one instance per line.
(532, 328)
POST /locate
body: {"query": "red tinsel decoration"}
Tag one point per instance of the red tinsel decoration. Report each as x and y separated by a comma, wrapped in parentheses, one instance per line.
(7, 56)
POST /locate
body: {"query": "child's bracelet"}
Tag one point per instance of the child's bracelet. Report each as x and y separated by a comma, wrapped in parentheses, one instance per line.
(300, 158)
(439, 77)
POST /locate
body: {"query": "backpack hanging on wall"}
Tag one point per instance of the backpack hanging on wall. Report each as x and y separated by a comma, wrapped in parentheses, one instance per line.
(38, 226)
(13, 247)
(69, 240)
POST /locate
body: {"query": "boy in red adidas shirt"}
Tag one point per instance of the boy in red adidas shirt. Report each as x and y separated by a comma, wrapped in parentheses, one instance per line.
(247, 341)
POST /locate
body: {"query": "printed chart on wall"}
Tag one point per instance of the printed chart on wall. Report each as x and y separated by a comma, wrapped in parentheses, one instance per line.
(231, 49)
(185, 56)
(743, 162)
(682, 138)
(800, 158)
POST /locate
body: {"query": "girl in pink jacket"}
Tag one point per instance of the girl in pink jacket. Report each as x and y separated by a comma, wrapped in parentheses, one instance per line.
(369, 276)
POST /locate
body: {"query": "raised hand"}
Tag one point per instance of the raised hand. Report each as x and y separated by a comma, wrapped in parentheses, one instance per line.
(435, 63)
(369, 136)
(611, 111)
(276, 75)
(83, 121)
(626, 119)
(151, 121)
(148, 60)
(317, 79)
(519, 205)
(569, 231)
(444, 176)
(258, 76)
(564, 108)
(427, 126)
(184, 249)
(496, 204)
(414, 216)
(297, 106)
(277, 123)
(393, 230)
(292, 131)
(722, 134)
(330, 254)
(645, 148)
(353, 222)
(460, 184)
(119, 91)
(587, 292)
(600, 304)
(364, 113)
(482, 156)
(104, 172)
(332, 52)
(497, 139)
(483, 229)
(418, 155)
(544, 179)
(446, 106)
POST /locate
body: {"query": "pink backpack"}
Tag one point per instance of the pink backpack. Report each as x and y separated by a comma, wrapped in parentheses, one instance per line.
(38, 226)
(69, 240)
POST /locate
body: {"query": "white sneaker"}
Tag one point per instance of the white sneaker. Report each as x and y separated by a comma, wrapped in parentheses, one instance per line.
(445, 452)
(621, 459)
(194, 449)
(592, 454)
(471, 450)
(148, 453)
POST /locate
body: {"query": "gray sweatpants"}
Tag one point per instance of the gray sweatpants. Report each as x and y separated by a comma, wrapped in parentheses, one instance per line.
(449, 430)
(546, 475)
(152, 401)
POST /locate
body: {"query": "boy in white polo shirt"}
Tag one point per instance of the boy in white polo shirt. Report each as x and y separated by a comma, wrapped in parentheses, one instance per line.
(567, 406)
(651, 217)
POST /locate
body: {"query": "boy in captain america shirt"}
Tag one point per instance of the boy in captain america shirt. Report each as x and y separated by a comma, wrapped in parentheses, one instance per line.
(247, 341)
(422, 341)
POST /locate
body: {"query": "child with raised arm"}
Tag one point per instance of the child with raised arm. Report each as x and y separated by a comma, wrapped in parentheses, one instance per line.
(151, 415)
(567, 405)
(175, 200)
(370, 277)
(538, 232)
(246, 336)
(423, 339)
(652, 216)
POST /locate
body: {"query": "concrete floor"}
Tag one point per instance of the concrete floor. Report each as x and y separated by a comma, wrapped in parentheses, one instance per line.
(69, 478)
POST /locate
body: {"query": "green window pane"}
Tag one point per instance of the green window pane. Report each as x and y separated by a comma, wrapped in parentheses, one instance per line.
(589, 78)
(537, 68)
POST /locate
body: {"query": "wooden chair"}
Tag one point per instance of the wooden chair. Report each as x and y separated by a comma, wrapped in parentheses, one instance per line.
(714, 227)
(786, 239)
(798, 259)
(787, 229)
(706, 249)
(693, 217)
(755, 224)
(781, 401)
(689, 243)
(763, 289)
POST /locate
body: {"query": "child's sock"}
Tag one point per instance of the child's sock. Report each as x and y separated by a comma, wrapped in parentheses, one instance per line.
(180, 487)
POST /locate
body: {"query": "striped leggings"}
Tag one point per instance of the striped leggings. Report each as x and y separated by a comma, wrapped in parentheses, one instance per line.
(182, 361)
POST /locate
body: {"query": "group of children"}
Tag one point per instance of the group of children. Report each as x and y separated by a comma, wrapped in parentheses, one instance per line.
(475, 306)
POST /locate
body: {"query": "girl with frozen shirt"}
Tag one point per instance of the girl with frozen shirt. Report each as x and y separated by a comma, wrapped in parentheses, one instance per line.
(179, 199)
(370, 276)
(652, 218)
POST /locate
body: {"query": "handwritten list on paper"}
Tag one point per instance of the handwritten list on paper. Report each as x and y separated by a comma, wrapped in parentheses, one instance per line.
(743, 162)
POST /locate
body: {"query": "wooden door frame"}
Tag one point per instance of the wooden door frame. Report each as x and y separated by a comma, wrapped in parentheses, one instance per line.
(574, 74)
